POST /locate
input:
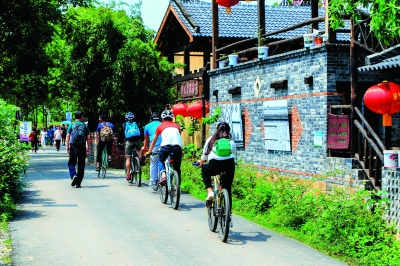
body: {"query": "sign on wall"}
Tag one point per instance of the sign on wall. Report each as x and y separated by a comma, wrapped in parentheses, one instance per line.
(276, 125)
(190, 88)
(68, 116)
(25, 128)
(338, 132)
(233, 116)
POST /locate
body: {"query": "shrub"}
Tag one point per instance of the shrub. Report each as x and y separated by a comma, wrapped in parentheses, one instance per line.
(13, 160)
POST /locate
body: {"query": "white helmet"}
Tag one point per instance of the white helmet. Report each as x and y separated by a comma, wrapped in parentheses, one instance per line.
(167, 113)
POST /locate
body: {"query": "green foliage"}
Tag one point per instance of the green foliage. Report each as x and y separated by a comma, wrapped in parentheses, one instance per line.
(385, 14)
(193, 127)
(13, 160)
(190, 151)
(349, 226)
(180, 120)
(214, 118)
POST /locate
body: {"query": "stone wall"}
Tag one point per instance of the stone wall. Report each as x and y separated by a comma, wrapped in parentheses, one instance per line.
(307, 105)
(391, 184)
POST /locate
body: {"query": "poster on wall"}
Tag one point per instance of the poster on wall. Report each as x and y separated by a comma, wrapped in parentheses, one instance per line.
(25, 128)
(338, 132)
(233, 116)
(276, 125)
(68, 116)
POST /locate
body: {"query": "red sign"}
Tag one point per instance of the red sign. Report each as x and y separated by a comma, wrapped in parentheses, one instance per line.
(338, 132)
(190, 88)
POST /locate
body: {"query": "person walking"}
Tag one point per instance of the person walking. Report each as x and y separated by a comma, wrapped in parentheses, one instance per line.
(57, 137)
(50, 135)
(43, 137)
(105, 131)
(63, 134)
(149, 131)
(33, 138)
(76, 139)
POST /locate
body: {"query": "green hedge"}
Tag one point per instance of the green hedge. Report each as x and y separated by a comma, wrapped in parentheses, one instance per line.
(13, 160)
(345, 225)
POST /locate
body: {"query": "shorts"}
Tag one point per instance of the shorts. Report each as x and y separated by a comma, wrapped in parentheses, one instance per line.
(130, 145)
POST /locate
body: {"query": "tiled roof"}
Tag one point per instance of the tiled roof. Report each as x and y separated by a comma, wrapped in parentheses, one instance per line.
(242, 22)
(387, 59)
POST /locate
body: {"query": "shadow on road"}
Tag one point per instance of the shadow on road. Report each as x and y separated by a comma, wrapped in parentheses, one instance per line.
(83, 186)
(241, 238)
(190, 206)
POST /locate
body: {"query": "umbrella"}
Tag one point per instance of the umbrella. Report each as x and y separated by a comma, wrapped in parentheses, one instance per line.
(65, 122)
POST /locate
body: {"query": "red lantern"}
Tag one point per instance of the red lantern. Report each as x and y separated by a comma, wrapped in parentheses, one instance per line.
(384, 99)
(227, 4)
(196, 109)
(180, 109)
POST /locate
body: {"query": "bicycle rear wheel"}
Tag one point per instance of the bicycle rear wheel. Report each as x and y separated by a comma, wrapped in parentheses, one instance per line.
(138, 172)
(223, 219)
(162, 191)
(175, 190)
(212, 218)
(104, 165)
(132, 173)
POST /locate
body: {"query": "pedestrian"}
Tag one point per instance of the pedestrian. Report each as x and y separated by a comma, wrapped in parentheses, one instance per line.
(76, 139)
(63, 134)
(50, 134)
(105, 131)
(43, 136)
(149, 131)
(33, 138)
(57, 137)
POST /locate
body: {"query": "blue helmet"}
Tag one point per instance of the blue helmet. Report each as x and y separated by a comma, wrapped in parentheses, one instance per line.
(129, 116)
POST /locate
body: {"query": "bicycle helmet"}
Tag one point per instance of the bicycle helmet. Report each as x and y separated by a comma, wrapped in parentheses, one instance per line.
(167, 114)
(154, 116)
(129, 116)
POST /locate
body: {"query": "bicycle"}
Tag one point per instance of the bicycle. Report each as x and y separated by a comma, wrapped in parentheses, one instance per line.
(218, 209)
(172, 187)
(136, 171)
(104, 164)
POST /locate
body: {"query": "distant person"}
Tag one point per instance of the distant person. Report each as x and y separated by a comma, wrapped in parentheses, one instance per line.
(63, 133)
(43, 137)
(76, 139)
(149, 132)
(57, 137)
(33, 138)
(50, 135)
(105, 131)
(132, 140)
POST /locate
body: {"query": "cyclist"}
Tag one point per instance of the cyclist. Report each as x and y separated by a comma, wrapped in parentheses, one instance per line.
(132, 140)
(149, 132)
(218, 161)
(105, 131)
(171, 144)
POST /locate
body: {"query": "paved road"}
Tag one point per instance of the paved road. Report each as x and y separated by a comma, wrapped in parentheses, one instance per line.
(110, 222)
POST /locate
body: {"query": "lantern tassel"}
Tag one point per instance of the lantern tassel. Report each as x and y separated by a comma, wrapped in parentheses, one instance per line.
(228, 10)
(387, 120)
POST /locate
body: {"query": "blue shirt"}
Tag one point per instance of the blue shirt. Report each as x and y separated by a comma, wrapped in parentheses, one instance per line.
(150, 130)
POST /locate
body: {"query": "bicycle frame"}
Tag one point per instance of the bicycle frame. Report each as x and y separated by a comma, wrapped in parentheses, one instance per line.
(135, 171)
(169, 188)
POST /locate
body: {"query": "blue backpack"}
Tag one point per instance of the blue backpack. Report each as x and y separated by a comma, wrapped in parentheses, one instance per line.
(131, 130)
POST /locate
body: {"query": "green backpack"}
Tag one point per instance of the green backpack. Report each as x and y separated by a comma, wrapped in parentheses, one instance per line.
(223, 147)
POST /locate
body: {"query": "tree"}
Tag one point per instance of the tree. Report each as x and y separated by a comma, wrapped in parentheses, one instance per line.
(385, 14)
(113, 64)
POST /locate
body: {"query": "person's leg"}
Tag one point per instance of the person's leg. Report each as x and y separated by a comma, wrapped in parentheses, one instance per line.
(211, 169)
(228, 167)
(81, 165)
(33, 145)
(164, 152)
(72, 161)
(109, 149)
(36, 145)
(58, 142)
(128, 155)
(100, 148)
(177, 157)
(154, 166)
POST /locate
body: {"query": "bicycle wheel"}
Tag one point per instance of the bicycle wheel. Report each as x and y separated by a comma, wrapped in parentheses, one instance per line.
(138, 172)
(104, 165)
(175, 190)
(132, 171)
(223, 219)
(212, 217)
(162, 191)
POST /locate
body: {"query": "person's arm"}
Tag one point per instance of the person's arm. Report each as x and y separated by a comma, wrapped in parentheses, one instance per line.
(146, 141)
(67, 142)
(88, 144)
(204, 157)
(153, 143)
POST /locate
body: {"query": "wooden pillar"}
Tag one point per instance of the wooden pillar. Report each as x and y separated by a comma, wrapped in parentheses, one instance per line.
(215, 33)
(353, 86)
(171, 57)
(206, 56)
(328, 30)
(261, 16)
(314, 12)
(186, 60)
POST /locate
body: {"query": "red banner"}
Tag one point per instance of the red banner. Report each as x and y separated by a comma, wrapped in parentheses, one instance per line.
(338, 132)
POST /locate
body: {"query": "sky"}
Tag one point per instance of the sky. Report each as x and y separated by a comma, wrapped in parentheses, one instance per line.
(153, 11)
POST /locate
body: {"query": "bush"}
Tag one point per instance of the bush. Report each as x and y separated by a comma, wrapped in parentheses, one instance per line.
(13, 160)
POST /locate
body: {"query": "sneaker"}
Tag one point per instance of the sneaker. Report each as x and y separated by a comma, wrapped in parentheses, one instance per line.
(210, 196)
(128, 177)
(79, 186)
(163, 181)
(74, 180)
(109, 159)
(97, 168)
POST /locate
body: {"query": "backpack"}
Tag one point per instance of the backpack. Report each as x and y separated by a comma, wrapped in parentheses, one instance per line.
(131, 130)
(223, 147)
(106, 133)
(78, 137)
